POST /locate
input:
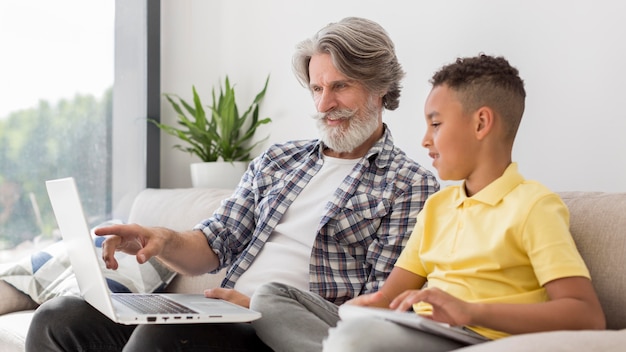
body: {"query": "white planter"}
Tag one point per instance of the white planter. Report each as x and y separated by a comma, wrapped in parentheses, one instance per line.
(217, 174)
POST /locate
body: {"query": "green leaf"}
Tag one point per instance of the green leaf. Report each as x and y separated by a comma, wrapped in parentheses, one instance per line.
(223, 132)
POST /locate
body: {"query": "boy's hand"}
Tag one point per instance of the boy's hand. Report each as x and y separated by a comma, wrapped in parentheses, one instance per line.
(445, 307)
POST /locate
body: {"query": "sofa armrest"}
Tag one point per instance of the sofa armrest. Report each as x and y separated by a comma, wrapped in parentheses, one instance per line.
(14, 300)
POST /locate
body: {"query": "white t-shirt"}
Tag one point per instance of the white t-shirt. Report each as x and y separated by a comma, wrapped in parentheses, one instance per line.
(286, 255)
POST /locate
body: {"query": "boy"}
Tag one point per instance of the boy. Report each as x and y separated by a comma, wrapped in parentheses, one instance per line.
(496, 250)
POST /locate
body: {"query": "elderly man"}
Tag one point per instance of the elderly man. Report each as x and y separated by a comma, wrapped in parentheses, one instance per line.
(327, 216)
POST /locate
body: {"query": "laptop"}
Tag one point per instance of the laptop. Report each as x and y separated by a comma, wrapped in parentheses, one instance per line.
(412, 320)
(127, 308)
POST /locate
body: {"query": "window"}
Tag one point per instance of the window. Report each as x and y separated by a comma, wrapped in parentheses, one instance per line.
(80, 80)
(56, 111)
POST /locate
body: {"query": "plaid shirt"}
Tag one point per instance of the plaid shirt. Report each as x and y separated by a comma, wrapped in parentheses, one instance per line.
(362, 231)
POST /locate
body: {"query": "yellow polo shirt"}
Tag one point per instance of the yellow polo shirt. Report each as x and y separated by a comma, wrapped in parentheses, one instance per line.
(500, 245)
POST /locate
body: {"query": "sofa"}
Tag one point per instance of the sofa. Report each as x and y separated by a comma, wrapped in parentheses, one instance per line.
(598, 224)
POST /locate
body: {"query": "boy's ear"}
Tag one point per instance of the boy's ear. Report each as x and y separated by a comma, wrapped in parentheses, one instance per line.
(485, 120)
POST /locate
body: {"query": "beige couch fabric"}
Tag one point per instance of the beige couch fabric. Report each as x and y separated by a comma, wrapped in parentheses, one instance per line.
(558, 341)
(598, 225)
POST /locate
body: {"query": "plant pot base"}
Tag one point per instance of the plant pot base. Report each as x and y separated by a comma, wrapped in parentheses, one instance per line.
(217, 174)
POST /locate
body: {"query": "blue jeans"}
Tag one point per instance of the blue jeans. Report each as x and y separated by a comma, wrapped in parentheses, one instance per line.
(71, 324)
(293, 320)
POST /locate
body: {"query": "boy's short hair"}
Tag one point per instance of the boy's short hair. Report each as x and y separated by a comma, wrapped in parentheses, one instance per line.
(486, 81)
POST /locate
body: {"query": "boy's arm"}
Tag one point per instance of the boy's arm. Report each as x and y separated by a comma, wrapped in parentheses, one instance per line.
(572, 305)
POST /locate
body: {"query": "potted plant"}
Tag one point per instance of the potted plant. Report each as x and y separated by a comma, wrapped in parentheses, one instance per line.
(219, 136)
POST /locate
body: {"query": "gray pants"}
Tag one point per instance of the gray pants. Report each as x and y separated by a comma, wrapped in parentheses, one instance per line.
(71, 324)
(293, 320)
(299, 321)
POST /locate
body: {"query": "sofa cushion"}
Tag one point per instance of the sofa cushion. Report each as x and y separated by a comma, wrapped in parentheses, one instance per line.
(598, 225)
(178, 209)
(556, 341)
(13, 329)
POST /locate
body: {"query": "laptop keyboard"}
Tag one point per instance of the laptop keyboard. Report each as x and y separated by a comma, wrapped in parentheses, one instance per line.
(152, 304)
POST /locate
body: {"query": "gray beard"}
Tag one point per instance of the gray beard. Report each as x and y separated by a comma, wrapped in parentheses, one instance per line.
(346, 139)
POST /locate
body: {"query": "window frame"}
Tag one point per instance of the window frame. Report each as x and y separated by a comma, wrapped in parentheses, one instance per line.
(135, 142)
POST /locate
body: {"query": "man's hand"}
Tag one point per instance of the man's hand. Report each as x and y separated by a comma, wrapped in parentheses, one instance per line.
(184, 252)
(132, 239)
(229, 295)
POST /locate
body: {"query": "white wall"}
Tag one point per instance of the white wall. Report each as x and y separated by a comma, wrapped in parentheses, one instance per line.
(572, 56)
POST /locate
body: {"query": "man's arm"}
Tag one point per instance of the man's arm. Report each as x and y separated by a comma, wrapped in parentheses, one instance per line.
(185, 252)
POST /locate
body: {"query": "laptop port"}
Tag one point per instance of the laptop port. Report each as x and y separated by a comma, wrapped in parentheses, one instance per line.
(151, 319)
